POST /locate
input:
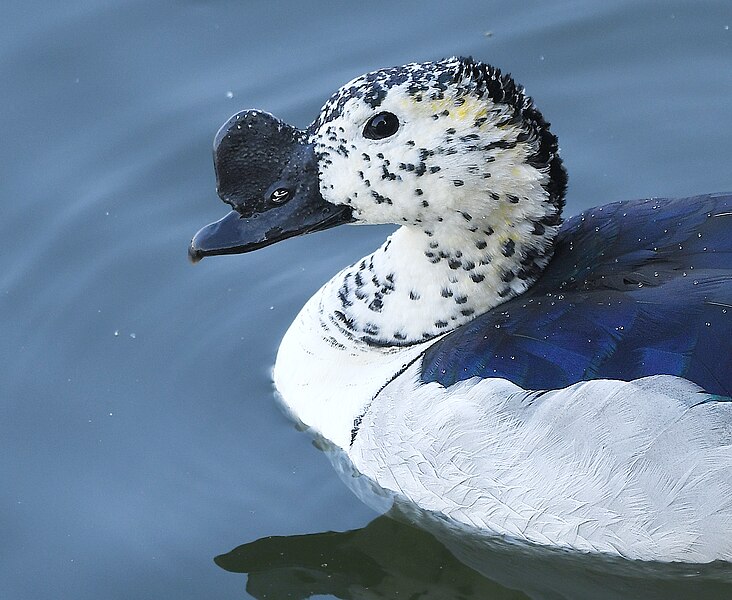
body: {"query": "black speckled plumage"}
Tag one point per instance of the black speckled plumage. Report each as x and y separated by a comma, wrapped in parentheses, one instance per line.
(634, 289)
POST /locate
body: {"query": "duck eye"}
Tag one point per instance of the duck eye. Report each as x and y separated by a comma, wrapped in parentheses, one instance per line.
(280, 195)
(381, 126)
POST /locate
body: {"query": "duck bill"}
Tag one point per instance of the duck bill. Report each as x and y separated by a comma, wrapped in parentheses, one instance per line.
(235, 234)
(269, 175)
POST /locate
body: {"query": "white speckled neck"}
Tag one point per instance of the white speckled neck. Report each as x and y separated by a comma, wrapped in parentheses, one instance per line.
(426, 281)
(371, 320)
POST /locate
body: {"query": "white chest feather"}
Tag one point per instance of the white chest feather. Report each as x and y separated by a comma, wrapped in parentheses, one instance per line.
(325, 380)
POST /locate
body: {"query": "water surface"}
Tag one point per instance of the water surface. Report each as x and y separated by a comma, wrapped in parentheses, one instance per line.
(138, 430)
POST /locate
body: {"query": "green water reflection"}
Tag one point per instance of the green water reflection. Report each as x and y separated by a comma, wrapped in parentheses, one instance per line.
(385, 559)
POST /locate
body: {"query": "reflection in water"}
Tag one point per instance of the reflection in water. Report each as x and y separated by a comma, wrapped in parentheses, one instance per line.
(385, 559)
(390, 559)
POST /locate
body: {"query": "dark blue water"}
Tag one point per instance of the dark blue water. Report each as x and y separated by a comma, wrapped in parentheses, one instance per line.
(138, 433)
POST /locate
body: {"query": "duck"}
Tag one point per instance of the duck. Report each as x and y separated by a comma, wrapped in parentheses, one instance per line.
(558, 383)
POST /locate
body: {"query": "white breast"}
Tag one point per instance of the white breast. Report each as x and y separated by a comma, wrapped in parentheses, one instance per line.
(325, 380)
(641, 469)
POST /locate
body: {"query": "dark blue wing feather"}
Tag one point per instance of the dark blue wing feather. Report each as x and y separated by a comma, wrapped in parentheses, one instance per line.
(634, 289)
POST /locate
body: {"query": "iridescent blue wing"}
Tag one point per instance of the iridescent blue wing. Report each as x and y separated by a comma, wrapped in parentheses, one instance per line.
(634, 289)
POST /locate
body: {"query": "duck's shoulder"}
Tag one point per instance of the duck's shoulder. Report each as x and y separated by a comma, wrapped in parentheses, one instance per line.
(634, 289)
(605, 242)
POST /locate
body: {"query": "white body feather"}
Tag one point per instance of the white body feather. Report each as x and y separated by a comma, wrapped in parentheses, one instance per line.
(633, 468)
(642, 469)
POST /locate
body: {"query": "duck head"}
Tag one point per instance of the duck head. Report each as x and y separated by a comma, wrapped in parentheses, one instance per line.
(452, 145)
